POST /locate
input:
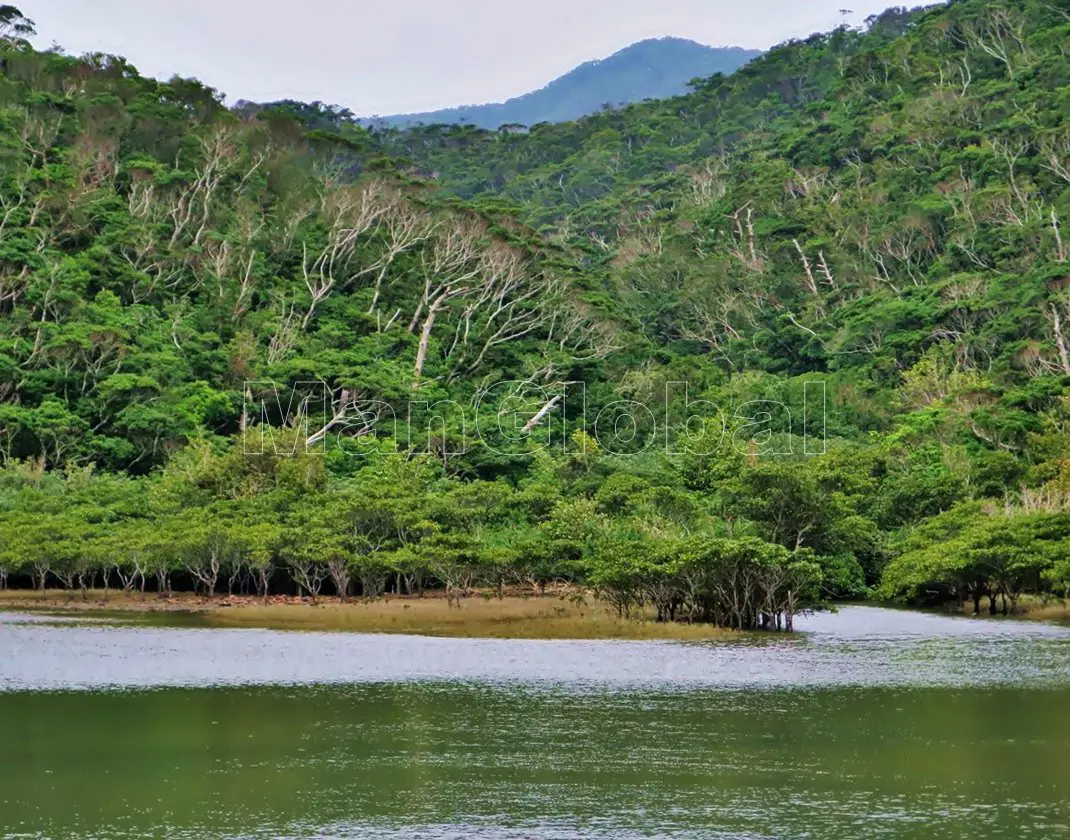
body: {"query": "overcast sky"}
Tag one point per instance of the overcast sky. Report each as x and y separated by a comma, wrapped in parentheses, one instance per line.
(414, 55)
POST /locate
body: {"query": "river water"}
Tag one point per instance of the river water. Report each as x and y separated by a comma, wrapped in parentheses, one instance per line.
(869, 723)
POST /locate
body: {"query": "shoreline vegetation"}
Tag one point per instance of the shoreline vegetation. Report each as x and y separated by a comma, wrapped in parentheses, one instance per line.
(560, 615)
(1039, 609)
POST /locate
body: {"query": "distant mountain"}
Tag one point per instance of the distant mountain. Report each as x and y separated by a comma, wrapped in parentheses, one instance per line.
(652, 69)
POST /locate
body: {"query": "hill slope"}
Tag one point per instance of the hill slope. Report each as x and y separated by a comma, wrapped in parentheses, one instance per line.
(879, 213)
(650, 69)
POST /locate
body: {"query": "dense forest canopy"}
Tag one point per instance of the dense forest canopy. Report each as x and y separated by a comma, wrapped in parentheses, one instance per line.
(486, 346)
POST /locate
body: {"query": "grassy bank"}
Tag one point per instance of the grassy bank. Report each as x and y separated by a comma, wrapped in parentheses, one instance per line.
(1037, 609)
(513, 617)
(1030, 608)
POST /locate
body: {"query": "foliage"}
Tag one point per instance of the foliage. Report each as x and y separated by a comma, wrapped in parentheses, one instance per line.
(269, 348)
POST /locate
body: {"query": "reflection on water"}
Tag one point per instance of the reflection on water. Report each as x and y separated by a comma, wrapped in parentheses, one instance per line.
(874, 723)
(857, 646)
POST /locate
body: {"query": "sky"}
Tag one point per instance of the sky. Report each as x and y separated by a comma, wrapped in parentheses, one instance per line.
(380, 58)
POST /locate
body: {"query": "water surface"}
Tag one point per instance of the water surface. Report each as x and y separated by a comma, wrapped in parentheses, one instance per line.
(871, 723)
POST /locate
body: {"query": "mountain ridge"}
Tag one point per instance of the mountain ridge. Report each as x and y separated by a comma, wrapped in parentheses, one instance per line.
(653, 68)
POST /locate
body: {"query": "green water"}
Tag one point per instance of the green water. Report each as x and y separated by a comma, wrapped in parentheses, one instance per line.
(874, 724)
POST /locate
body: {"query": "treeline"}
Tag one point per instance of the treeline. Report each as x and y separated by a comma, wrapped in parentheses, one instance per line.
(228, 521)
(987, 552)
(727, 538)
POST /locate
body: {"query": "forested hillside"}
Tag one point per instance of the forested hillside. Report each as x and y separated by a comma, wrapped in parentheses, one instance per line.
(651, 69)
(874, 218)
